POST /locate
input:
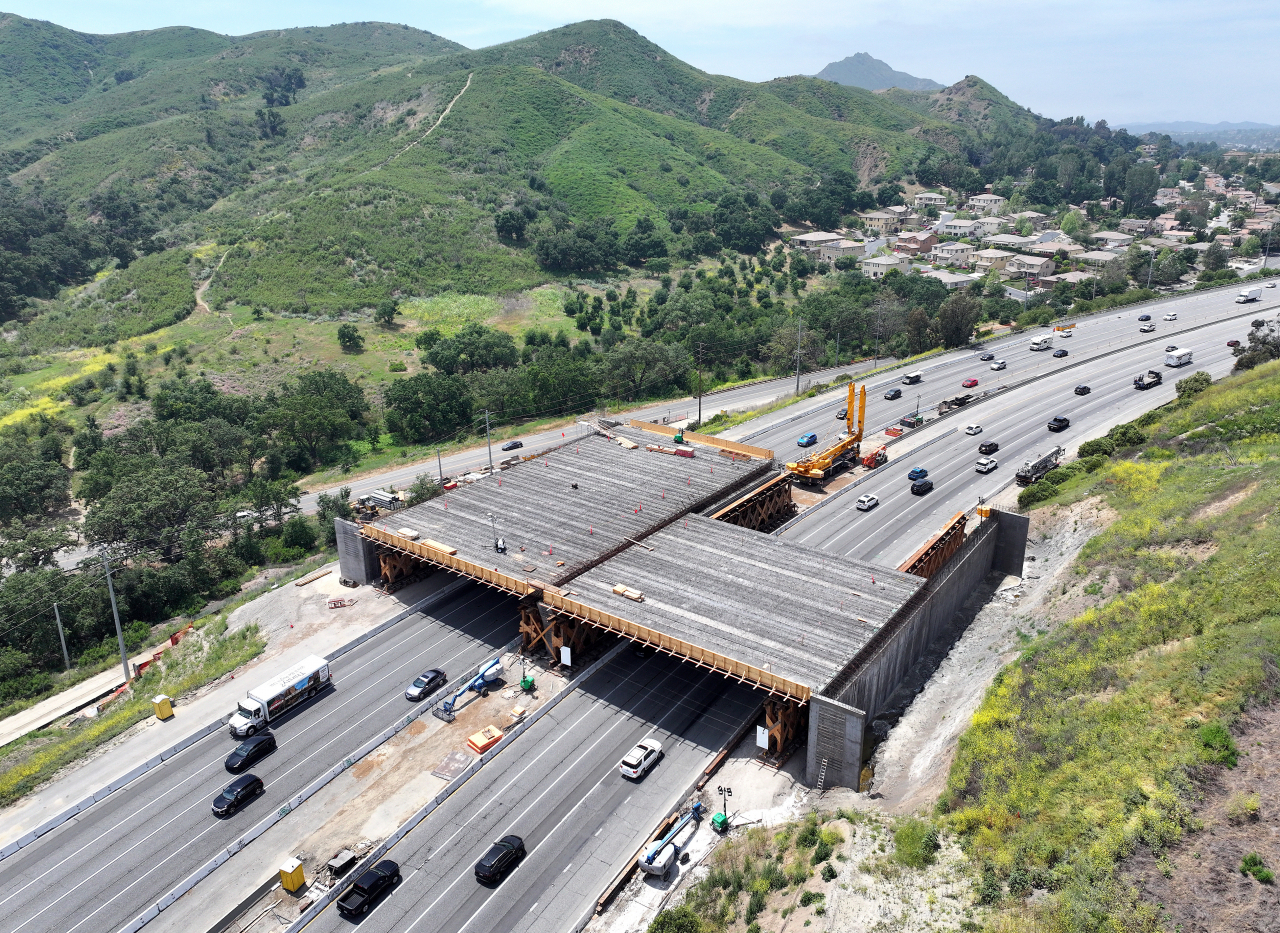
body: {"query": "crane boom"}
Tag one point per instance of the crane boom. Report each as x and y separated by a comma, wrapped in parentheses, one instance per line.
(818, 467)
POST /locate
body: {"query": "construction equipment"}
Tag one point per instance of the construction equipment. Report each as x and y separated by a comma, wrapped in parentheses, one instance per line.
(819, 467)
(1033, 470)
(660, 857)
(953, 403)
(877, 458)
(480, 684)
(1152, 378)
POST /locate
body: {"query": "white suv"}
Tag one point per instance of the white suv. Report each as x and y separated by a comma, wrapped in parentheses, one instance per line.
(867, 503)
(986, 465)
(1171, 316)
(973, 429)
(639, 760)
(998, 364)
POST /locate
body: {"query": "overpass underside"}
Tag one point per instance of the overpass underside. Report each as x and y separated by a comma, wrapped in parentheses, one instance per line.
(603, 535)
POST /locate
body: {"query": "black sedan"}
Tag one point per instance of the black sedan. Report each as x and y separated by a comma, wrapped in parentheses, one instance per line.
(500, 859)
(513, 445)
(1059, 353)
(1083, 390)
(1144, 317)
(251, 750)
(238, 793)
(425, 684)
(988, 447)
(987, 357)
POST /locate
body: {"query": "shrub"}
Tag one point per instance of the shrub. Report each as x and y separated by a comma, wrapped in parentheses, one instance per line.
(828, 872)
(1102, 446)
(808, 836)
(1242, 807)
(298, 532)
(1094, 463)
(915, 843)
(811, 897)
(1036, 492)
(1217, 744)
(1194, 384)
(755, 906)
(682, 919)
(822, 852)
(397, 366)
(1127, 435)
(989, 890)
(1252, 864)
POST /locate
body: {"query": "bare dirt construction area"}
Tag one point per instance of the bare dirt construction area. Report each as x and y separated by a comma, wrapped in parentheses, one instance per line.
(936, 702)
(1198, 883)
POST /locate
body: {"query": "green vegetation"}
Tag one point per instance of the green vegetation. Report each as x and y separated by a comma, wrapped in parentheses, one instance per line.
(1090, 745)
(1252, 864)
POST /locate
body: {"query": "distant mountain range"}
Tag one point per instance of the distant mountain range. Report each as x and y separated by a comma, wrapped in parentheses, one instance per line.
(862, 70)
(1191, 126)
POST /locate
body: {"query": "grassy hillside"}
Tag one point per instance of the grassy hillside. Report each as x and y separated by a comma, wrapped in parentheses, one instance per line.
(1097, 745)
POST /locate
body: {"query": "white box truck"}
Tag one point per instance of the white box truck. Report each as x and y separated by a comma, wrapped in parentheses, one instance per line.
(1249, 294)
(1042, 343)
(263, 705)
(1177, 358)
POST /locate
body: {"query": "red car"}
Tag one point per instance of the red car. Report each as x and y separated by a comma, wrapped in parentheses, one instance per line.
(1233, 343)
(969, 383)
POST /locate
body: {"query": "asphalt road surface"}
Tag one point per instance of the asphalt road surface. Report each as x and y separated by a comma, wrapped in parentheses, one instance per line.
(1017, 420)
(100, 870)
(559, 788)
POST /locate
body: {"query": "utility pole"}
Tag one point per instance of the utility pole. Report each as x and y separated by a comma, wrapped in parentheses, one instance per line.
(837, 348)
(1151, 268)
(799, 337)
(124, 655)
(66, 658)
(440, 469)
(699, 384)
(879, 321)
(487, 440)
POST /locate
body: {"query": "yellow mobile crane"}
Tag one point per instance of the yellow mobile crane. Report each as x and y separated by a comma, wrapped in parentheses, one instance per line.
(819, 467)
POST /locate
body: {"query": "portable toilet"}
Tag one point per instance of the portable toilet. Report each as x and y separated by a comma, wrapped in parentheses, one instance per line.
(292, 876)
(163, 706)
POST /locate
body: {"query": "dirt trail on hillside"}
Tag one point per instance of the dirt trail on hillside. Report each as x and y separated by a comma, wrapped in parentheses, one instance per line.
(421, 139)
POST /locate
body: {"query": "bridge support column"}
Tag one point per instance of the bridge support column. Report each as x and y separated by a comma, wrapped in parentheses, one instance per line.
(835, 743)
(784, 720)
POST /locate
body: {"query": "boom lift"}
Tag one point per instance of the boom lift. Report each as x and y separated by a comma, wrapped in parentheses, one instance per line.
(660, 857)
(480, 684)
(819, 467)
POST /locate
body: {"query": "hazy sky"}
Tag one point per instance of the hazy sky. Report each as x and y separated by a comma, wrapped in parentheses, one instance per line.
(1137, 61)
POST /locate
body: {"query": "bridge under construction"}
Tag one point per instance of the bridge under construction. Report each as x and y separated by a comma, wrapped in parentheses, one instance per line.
(626, 531)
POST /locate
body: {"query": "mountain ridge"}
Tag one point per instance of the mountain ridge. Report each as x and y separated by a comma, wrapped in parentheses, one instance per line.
(862, 70)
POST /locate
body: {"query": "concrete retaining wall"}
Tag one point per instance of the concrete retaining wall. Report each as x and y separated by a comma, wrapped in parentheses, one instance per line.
(357, 559)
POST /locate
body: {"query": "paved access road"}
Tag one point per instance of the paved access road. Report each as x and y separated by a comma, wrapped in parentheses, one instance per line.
(944, 375)
(1017, 420)
(559, 788)
(750, 396)
(100, 870)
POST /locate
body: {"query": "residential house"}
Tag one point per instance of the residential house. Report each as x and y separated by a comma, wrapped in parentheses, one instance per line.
(1167, 197)
(984, 204)
(916, 244)
(949, 279)
(1051, 247)
(1181, 236)
(907, 218)
(838, 249)
(987, 226)
(1074, 278)
(1136, 225)
(931, 199)
(882, 222)
(984, 260)
(953, 254)
(1095, 257)
(877, 267)
(1113, 240)
(1038, 221)
(812, 241)
(1033, 266)
(1215, 182)
(1009, 240)
(1164, 223)
(960, 228)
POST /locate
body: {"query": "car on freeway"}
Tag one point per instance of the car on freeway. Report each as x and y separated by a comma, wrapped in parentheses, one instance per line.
(1059, 353)
(921, 486)
(973, 429)
(1059, 423)
(425, 684)
(969, 383)
(1271, 285)
(988, 447)
(807, 440)
(500, 859)
(987, 357)
(917, 473)
(842, 414)
(1146, 328)
(250, 750)
(1173, 346)
(513, 445)
(371, 885)
(1233, 343)
(999, 364)
(1083, 390)
(893, 394)
(1171, 316)
(1255, 324)
(866, 503)
(1144, 317)
(637, 762)
(237, 794)
(985, 465)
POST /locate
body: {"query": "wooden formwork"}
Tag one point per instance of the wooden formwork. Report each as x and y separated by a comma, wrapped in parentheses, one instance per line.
(784, 721)
(761, 507)
(710, 440)
(934, 553)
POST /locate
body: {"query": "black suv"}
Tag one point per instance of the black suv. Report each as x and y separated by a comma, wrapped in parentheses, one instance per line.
(238, 793)
(988, 447)
(1059, 423)
(893, 394)
(500, 859)
(358, 898)
(921, 486)
(251, 750)
(1083, 390)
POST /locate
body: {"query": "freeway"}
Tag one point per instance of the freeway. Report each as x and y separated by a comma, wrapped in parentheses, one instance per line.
(944, 374)
(559, 788)
(1017, 421)
(99, 870)
(741, 398)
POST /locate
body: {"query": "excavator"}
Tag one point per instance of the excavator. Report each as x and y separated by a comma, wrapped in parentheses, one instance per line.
(821, 466)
